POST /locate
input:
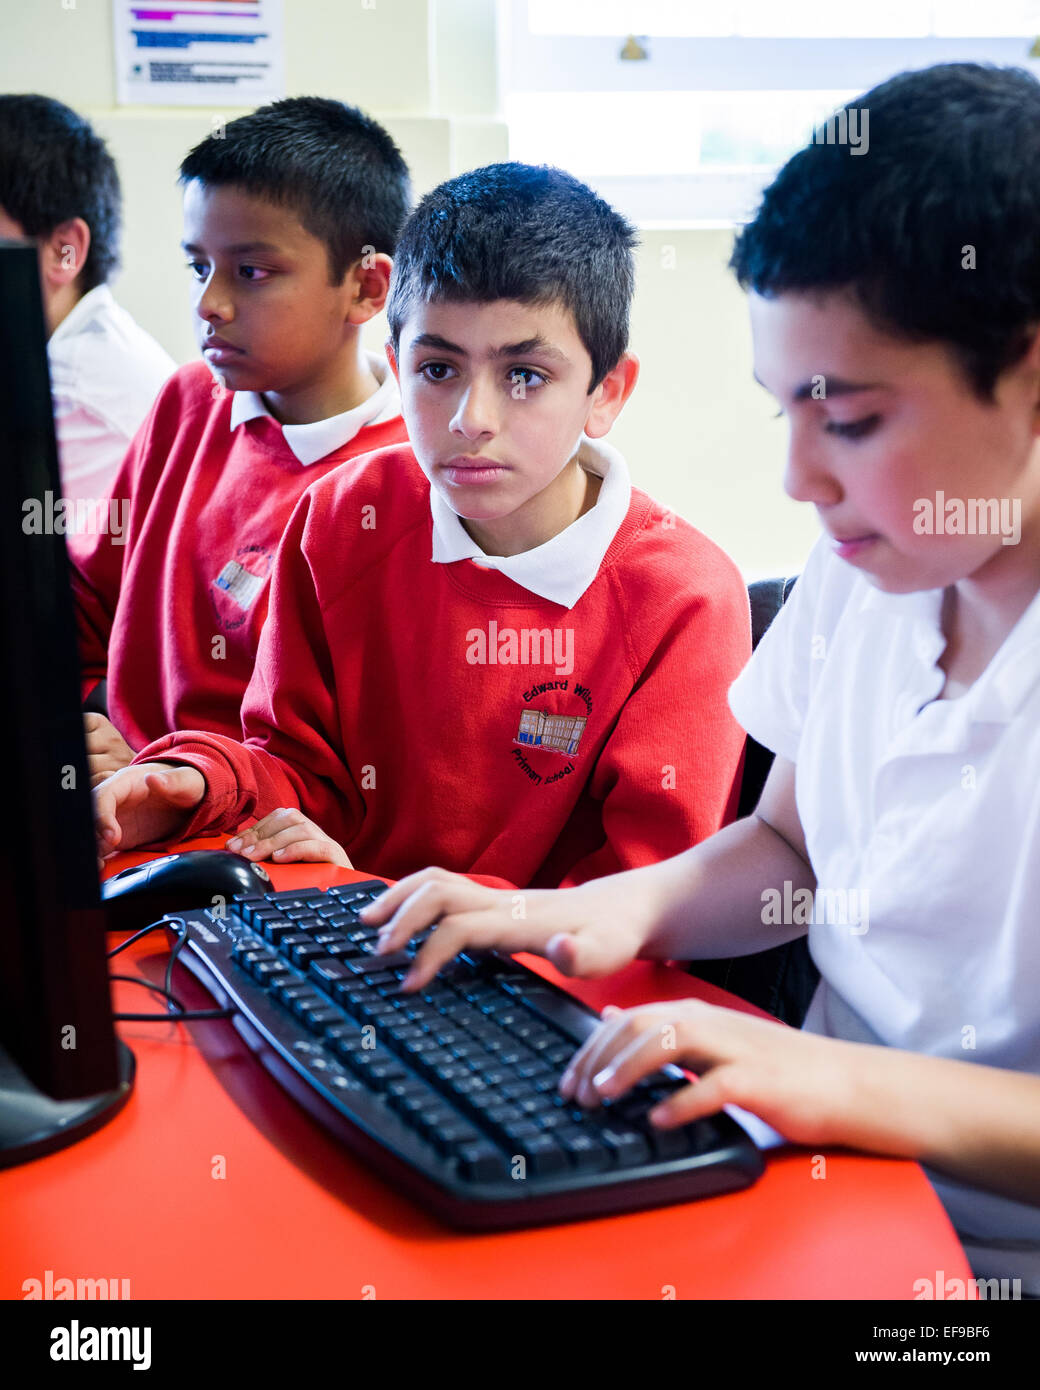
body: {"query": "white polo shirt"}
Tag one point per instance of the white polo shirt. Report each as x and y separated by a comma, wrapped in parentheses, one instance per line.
(105, 373)
(925, 815)
(563, 567)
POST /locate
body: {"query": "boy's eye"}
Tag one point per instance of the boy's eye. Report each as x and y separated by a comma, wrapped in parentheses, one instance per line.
(197, 268)
(253, 273)
(527, 375)
(436, 371)
(854, 429)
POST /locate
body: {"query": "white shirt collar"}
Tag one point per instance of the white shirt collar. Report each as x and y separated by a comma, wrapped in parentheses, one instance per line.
(316, 440)
(562, 568)
(99, 298)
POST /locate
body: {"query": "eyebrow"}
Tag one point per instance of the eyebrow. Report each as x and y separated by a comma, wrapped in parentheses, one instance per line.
(537, 346)
(239, 249)
(834, 385)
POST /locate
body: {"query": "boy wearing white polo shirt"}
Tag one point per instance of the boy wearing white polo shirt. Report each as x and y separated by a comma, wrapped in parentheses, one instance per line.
(59, 186)
(899, 326)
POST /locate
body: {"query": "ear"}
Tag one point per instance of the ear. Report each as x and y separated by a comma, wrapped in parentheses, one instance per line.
(63, 253)
(391, 357)
(611, 394)
(371, 280)
(1029, 364)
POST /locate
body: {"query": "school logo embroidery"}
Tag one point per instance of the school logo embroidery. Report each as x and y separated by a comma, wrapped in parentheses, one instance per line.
(550, 731)
(559, 732)
(239, 584)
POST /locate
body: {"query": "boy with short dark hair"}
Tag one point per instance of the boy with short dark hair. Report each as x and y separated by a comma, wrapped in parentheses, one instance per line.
(899, 688)
(59, 187)
(492, 651)
(291, 215)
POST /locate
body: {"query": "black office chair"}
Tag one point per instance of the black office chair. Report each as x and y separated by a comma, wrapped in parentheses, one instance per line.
(782, 979)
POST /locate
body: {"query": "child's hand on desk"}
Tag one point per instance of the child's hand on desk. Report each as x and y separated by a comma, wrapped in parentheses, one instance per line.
(107, 749)
(143, 804)
(581, 930)
(288, 836)
(797, 1082)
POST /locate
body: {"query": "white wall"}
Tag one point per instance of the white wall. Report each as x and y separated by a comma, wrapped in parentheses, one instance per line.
(698, 433)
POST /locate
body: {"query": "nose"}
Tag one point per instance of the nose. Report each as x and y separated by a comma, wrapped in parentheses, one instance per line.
(807, 477)
(214, 303)
(476, 415)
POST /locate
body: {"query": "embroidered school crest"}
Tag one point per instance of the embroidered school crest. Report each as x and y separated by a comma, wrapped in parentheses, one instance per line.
(239, 584)
(559, 733)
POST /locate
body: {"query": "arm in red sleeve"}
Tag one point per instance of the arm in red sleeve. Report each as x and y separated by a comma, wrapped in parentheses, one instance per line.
(669, 775)
(291, 753)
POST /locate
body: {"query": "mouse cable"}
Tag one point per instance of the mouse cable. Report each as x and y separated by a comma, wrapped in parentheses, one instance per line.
(176, 1011)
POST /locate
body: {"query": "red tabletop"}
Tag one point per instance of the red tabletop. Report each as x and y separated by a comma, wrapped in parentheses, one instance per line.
(213, 1183)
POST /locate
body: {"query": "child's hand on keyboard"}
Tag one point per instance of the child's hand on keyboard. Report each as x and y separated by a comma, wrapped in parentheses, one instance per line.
(797, 1082)
(288, 836)
(145, 803)
(579, 929)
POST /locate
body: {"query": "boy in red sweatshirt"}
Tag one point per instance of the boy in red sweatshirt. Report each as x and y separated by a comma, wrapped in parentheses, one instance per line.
(290, 218)
(491, 653)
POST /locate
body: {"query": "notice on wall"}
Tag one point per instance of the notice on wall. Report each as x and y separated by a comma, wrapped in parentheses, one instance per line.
(199, 52)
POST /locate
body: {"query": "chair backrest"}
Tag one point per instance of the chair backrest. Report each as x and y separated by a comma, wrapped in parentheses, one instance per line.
(767, 597)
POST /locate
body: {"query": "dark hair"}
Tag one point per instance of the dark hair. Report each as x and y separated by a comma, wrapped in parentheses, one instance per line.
(53, 167)
(334, 166)
(528, 233)
(952, 162)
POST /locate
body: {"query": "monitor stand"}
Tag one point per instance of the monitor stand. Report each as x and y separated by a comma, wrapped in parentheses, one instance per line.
(32, 1124)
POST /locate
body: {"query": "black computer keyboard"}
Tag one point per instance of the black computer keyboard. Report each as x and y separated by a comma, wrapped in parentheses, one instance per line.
(450, 1093)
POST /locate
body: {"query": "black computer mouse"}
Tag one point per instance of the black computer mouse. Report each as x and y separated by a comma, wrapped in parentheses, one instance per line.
(197, 878)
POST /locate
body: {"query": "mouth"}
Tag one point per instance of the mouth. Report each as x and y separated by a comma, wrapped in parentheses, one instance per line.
(219, 350)
(466, 470)
(847, 547)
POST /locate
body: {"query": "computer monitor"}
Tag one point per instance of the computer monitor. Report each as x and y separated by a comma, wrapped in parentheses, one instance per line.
(62, 1071)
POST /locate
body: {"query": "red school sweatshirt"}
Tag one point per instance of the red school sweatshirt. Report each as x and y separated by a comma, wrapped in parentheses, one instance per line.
(427, 713)
(173, 613)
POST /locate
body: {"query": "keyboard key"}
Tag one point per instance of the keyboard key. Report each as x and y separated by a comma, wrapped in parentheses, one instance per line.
(377, 965)
(545, 1156)
(454, 1135)
(565, 1015)
(294, 938)
(482, 1162)
(518, 1132)
(627, 1145)
(328, 972)
(291, 989)
(668, 1143)
(267, 971)
(377, 1068)
(277, 929)
(305, 952)
(305, 1004)
(318, 1020)
(584, 1152)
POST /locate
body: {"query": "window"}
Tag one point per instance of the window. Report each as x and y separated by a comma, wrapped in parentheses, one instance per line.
(728, 89)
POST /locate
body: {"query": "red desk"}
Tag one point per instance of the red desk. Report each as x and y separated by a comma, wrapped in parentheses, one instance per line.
(298, 1217)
